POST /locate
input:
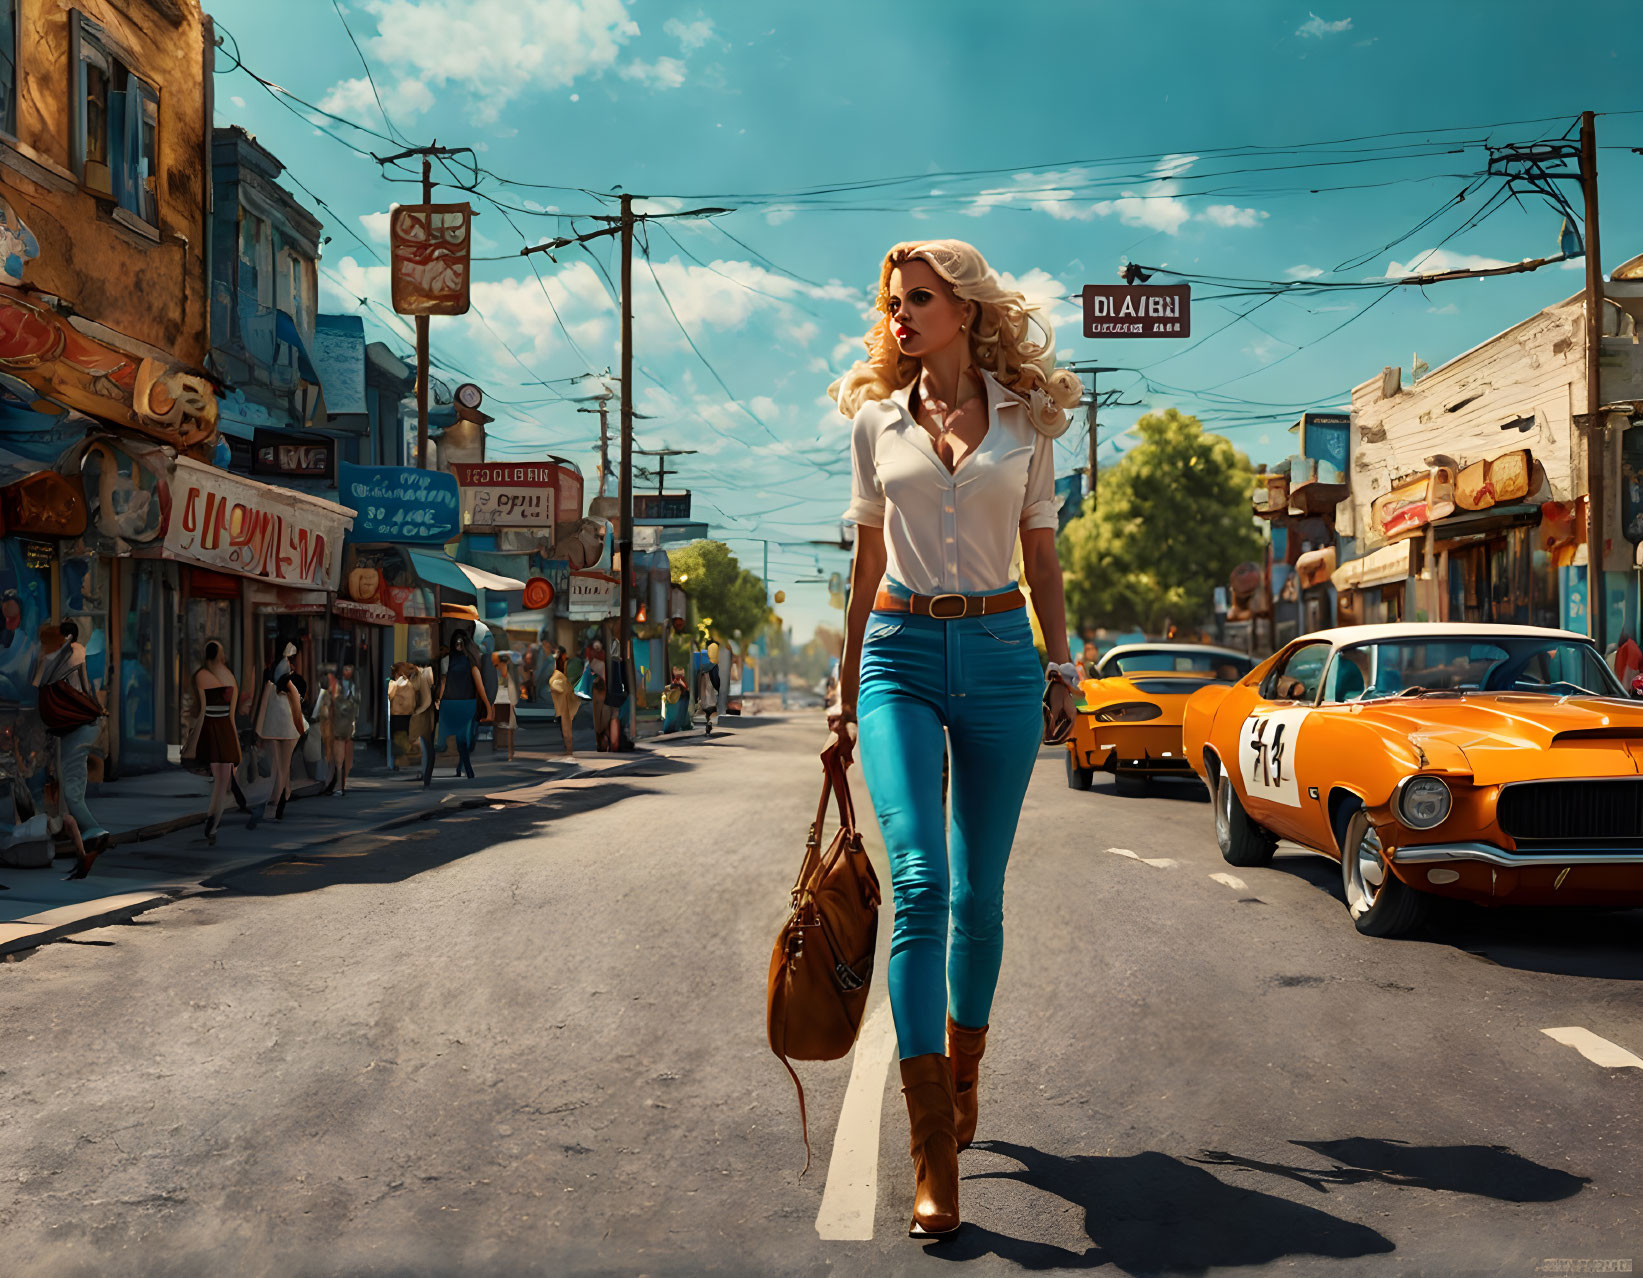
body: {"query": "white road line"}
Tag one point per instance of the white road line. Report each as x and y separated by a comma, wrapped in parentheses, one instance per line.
(851, 1192)
(1600, 1051)
(1124, 852)
(1232, 881)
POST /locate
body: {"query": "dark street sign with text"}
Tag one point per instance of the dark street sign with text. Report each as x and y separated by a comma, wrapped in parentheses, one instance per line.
(1137, 310)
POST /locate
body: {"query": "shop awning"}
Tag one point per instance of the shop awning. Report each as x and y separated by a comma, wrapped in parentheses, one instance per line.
(1314, 567)
(1377, 568)
(490, 580)
(442, 570)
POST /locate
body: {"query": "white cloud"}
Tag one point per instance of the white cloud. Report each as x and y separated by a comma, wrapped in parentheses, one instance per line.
(1174, 165)
(1448, 308)
(776, 214)
(1155, 206)
(801, 332)
(489, 51)
(690, 35)
(664, 73)
(1046, 292)
(376, 226)
(1263, 349)
(1232, 215)
(1434, 261)
(1157, 209)
(238, 101)
(1318, 28)
(1303, 272)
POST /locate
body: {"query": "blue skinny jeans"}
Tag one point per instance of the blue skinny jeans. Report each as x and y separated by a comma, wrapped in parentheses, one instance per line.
(972, 688)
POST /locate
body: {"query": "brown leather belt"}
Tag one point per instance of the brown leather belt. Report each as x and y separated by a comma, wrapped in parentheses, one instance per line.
(950, 607)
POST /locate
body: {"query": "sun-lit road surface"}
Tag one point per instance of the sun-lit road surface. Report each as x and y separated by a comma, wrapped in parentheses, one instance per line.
(532, 1041)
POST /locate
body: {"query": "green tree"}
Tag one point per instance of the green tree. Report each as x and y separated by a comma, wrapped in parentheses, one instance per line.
(1173, 520)
(728, 597)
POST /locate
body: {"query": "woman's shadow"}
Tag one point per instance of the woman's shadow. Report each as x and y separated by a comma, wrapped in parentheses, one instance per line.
(1152, 1213)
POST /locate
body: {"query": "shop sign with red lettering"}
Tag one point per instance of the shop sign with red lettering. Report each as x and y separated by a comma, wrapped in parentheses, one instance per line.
(1137, 310)
(506, 494)
(233, 524)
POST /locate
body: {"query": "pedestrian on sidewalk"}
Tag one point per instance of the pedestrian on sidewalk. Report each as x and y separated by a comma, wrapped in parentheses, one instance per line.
(462, 706)
(503, 718)
(73, 713)
(341, 718)
(279, 726)
(676, 703)
(953, 375)
(566, 700)
(707, 695)
(213, 743)
(599, 690)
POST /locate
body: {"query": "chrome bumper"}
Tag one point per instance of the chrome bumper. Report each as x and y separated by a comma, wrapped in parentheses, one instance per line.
(1423, 853)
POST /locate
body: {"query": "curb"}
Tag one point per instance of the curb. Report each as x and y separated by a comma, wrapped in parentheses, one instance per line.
(54, 925)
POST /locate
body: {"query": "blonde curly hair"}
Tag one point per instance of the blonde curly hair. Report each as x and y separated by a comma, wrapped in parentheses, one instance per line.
(999, 342)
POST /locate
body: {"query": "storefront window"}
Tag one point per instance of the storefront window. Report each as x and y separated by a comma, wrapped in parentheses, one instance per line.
(142, 676)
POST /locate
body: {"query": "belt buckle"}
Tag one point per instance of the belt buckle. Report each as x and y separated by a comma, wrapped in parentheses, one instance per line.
(963, 607)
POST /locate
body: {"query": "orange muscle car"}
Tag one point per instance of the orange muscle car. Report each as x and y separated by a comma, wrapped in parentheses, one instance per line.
(1129, 720)
(1497, 764)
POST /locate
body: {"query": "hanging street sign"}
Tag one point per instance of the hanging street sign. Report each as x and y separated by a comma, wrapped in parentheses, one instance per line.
(1137, 310)
(430, 246)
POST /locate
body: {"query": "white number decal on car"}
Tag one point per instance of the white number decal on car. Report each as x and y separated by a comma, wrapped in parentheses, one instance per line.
(1266, 755)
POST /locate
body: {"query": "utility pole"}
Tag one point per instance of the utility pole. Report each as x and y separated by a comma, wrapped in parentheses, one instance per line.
(622, 225)
(624, 492)
(662, 454)
(604, 436)
(1094, 403)
(427, 155)
(1597, 434)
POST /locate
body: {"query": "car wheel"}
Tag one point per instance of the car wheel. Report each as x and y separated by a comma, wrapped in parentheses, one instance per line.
(1129, 784)
(1381, 903)
(1242, 842)
(1078, 778)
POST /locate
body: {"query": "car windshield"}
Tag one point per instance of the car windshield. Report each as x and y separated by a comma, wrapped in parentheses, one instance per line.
(1454, 664)
(1226, 667)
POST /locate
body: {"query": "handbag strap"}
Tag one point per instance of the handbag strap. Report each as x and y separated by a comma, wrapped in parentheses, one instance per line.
(836, 785)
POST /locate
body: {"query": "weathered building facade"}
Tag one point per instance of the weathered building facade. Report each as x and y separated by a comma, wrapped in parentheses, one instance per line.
(1467, 489)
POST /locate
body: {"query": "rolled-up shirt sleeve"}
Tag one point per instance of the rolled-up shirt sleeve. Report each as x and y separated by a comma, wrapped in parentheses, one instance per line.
(1042, 508)
(866, 496)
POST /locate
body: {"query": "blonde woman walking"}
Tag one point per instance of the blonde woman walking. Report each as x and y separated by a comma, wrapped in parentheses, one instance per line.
(953, 413)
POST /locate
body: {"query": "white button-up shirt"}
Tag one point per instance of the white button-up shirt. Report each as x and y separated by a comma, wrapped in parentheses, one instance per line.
(947, 531)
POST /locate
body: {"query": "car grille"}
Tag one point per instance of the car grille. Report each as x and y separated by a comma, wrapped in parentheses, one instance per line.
(1572, 812)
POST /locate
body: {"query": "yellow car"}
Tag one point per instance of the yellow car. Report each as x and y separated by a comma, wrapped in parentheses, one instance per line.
(1129, 721)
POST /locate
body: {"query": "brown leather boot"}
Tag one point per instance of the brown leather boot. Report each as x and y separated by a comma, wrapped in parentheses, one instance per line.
(927, 1083)
(964, 1049)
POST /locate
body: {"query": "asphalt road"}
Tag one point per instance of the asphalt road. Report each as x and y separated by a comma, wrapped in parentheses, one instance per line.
(531, 1041)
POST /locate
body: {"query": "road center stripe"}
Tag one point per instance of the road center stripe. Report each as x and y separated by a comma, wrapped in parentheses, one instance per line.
(851, 1193)
(1124, 852)
(1232, 881)
(1600, 1051)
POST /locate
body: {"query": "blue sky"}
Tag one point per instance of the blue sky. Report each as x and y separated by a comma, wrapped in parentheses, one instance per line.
(1057, 137)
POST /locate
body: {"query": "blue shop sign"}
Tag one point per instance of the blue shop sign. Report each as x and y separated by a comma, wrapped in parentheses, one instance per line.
(400, 503)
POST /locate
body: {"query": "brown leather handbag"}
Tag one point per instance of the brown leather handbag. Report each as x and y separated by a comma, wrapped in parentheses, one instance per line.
(822, 963)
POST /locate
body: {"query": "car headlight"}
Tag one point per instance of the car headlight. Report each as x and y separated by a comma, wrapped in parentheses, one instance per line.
(1424, 802)
(1128, 712)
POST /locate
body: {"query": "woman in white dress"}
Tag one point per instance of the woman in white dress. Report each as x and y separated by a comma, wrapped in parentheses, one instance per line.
(279, 724)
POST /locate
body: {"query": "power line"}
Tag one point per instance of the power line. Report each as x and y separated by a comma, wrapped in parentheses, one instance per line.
(369, 78)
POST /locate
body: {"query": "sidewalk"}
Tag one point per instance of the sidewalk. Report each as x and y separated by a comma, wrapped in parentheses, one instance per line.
(159, 854)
